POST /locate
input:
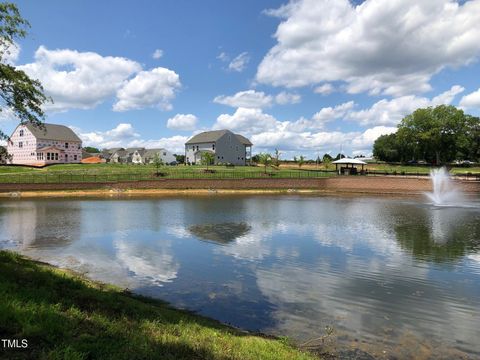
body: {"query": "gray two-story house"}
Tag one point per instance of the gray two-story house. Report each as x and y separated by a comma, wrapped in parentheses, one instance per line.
(227, 148)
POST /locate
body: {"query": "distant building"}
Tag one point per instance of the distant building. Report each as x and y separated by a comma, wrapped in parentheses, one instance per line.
(137, 155)
(42, 145)
(227, 148)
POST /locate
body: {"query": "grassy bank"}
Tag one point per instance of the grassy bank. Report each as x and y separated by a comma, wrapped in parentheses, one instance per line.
(63, 316)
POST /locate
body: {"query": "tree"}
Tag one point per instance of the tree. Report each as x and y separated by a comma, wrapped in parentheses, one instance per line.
(91, 149)
(327, 157)
(339, 156)
(18, 92)
(438, 135)
(276, 159)
(179, 158)
(157, 162)
(301, 160)
(207, 158)
(265, 159)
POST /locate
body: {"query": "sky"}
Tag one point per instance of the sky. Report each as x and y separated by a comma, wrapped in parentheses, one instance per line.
(307, 77)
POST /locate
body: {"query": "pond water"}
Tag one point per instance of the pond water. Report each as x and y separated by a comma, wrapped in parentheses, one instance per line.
(389, 276)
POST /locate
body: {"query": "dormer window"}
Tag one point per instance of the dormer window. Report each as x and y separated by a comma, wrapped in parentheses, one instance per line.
(21, 132)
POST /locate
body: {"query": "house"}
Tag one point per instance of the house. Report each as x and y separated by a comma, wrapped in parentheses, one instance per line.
(227, 148)
(43, 145)
(166, 156)
(137, 155)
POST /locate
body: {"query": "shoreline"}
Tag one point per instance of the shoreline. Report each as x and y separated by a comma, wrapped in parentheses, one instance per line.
(198, 334)
(202, 187)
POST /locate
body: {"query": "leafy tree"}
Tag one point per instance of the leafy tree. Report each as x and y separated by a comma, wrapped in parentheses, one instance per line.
(438, 135)
(339, 156)
(327, 157)
(91, 149)
(207, 158)
(301, 160)
(295, 159)
(386, 148)
(157, 162)
(4, 155)
(19, 93)
(276, 159)
(265, 159)
(179, 158)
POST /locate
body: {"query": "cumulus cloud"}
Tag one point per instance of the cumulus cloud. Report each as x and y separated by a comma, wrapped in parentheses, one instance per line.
(79, 80)
(379, 47)
(239, 63)
(157, 54)
(284, 98)
(324, 89)
(257, 99)
(182, 122)
(328, 114)
(471, 100)
(124, 135)
(246, 99)
(153, 88)
(390, 112)
(246, 119)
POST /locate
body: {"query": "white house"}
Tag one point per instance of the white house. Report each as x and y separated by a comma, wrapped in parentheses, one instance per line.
(227, 148)
(43, 145)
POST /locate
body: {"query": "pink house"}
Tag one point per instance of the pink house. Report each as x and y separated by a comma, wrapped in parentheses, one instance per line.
(48, 144)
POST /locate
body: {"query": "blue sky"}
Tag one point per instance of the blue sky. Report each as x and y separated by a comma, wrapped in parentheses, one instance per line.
(305, 76)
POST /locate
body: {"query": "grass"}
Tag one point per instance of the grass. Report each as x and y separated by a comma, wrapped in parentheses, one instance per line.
(64, 316)
(129, 172)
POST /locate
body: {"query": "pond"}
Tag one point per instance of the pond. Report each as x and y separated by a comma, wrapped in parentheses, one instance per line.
(391, 276)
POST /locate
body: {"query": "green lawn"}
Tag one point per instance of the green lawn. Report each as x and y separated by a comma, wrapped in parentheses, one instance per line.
(64, 316)
(124, 172)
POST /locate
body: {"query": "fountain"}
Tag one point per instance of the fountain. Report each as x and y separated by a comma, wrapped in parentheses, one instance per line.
(444, 192)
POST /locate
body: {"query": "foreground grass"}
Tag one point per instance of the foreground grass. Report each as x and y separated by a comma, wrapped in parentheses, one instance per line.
(63, 316)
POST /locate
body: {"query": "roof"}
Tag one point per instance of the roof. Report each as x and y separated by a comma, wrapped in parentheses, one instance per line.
(349, 161)
(52, 132)
(50, 147)
(213, 136)
(152, 152)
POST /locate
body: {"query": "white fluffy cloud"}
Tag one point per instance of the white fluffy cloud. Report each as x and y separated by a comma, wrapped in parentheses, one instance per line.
(183, 122)
(324, 89)
(246, 119)
(79, 80)
(239, 63)
(328, 114)
(471, 100)
(246, 99)
(157, 54)
(153, 88)
(392, 47)
(124, 135)
(284, 98)
(257, 99)
(390, 112)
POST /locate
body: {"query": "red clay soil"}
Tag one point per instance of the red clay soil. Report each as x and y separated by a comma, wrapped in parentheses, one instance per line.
(92, 160)
(357, 184)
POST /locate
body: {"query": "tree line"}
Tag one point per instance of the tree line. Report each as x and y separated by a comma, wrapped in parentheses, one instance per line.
(436, 135)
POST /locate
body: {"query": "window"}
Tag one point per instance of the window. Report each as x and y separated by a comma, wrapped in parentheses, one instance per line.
(21, 132)
(164, 153)
(20, 144)
(39, 156)
(74, 157)
(48, 156)
(56, 156)
(66, 145)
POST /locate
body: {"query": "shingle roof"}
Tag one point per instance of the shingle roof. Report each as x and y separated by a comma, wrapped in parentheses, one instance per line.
(151, 152)
(212, 136)
(53, 132)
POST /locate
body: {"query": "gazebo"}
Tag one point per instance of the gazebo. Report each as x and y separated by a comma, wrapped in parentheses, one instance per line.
(346, 170)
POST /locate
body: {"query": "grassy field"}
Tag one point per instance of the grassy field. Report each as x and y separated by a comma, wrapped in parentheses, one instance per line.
(128, 172)
(64, 316)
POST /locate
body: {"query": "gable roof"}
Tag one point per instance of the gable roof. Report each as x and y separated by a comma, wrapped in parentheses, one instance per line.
(52, 132)
(152, 152)
(213, 136)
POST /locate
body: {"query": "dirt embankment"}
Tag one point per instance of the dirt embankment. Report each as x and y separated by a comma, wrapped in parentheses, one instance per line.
(373, 185)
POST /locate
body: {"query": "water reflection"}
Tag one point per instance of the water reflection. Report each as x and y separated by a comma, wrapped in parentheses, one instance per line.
(377, 270)
(222, 233)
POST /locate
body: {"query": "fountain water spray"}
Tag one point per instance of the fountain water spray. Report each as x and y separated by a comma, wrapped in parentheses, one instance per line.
(444, 190)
